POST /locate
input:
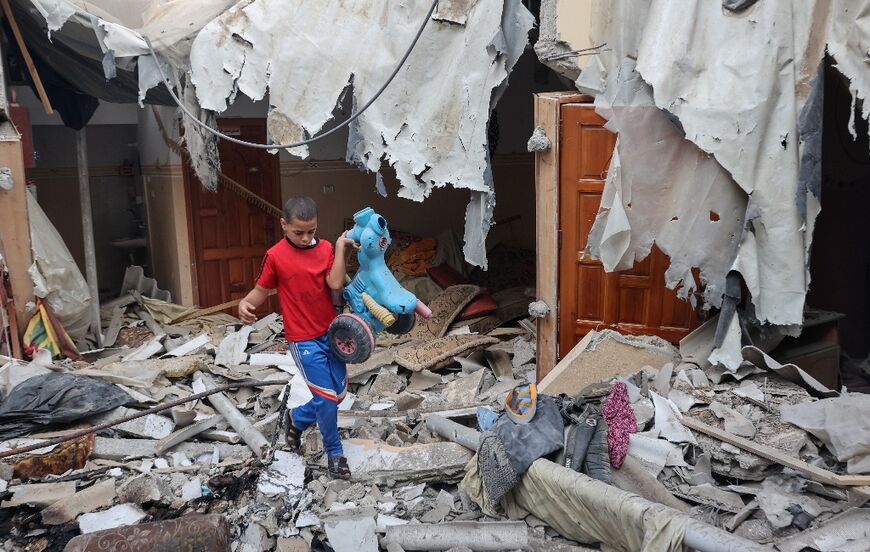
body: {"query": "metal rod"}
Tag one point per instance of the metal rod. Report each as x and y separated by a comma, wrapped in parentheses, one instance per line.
(88, 233)
(153, 410)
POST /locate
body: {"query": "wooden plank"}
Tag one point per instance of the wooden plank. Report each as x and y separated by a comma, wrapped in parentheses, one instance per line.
(547, 237)
(40, 89)
(813, 472)
(215, 309)
(15, 224)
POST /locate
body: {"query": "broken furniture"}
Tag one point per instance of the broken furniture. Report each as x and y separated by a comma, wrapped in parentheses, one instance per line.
(817, 349)
(377, 301)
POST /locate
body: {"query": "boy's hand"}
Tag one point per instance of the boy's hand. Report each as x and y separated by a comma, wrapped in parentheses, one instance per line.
(246, 312)
(343, 242)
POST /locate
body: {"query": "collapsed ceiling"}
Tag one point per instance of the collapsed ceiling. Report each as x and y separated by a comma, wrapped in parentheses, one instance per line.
(430, 124)
(718, 158)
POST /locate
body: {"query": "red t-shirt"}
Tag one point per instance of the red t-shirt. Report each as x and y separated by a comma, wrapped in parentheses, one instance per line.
(300, 276)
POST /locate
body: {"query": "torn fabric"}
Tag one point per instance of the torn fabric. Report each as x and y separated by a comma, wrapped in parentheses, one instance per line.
(430, 123)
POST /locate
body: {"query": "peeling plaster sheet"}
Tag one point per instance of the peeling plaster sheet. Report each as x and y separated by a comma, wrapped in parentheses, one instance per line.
(661, 188)
(430, 123)
(849, 44)
(743, 87)
(744, 108)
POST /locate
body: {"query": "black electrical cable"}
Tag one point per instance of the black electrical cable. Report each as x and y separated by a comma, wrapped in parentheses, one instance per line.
(345, 123)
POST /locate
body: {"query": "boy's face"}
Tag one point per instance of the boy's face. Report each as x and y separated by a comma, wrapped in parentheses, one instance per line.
(299, 232)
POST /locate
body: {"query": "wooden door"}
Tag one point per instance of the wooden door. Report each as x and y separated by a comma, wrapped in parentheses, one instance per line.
(230, 235)
(635, 301)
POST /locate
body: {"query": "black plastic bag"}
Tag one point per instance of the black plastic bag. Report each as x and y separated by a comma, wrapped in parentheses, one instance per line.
(56, 398)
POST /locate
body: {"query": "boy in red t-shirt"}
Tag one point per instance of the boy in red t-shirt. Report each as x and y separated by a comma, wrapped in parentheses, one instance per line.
(305, 269)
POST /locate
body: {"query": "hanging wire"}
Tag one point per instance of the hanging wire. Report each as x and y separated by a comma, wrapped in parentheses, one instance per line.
(345, 123)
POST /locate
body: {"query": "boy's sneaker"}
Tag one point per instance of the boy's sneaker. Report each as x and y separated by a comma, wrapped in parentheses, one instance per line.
(338, 468)
(292, 435)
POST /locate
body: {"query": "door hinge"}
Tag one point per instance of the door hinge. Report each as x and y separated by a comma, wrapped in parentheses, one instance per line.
(559, 246)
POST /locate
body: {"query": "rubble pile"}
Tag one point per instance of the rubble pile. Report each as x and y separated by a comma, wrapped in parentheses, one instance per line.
(218, 467)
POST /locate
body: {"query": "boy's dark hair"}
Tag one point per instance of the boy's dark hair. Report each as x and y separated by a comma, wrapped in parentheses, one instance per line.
(300, 208)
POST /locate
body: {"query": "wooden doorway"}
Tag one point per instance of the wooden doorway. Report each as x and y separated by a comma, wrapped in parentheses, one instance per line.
(570, 180)
(230, 236)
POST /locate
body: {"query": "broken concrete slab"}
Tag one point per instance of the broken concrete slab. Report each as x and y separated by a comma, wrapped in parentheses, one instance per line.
(423, 380)
(285, 476)
(352, 530)
(603, 354)
(387, 383)
(190, 346)
(192, 489)
(93, 498)
(145, 351)
(39, 494)
(189, 532)
(117, 516)
(735, 422)
(378, 462)
(122, 449)
(849, 530)
(667, 421)
(463, 391)
(231, 351)
(144, 489)
(151, 426)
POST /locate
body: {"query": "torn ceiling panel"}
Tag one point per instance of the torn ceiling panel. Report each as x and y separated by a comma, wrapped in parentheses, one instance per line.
(661, 188)
(745, 87)
(744, 110)
(430, 123)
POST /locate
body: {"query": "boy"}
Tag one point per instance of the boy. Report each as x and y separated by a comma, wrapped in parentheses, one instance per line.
(305, 269)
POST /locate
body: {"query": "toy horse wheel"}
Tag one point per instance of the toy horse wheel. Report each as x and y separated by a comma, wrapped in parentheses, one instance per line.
(404, 324)
(351, 339)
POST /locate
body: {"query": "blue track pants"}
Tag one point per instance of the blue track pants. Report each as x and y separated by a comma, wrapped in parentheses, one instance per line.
(326, 377)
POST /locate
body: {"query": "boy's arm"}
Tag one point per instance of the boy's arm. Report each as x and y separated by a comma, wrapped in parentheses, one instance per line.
(251, 303)
(335, 278)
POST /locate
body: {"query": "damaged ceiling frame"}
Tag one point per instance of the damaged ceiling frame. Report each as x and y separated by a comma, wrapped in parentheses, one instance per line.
(430, 125)
(719, 119)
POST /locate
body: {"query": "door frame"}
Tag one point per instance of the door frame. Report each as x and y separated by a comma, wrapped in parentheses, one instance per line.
(223, 124)
(548, 107)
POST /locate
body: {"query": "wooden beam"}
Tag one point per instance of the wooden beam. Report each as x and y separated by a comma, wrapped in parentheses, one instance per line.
(547, 115)
(813, 472)
(15, 223)
(31, 68)
(88, 233)
(214, 309)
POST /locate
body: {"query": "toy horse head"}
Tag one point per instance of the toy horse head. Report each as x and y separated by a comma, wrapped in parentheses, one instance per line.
(370, 231)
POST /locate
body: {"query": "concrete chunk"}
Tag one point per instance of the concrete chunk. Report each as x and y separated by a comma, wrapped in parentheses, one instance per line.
(93, 498)
(352, 530)
(151, 426)
(121, 449)
(145, 488)
(39, 494)
(377, 462)
(603, 354)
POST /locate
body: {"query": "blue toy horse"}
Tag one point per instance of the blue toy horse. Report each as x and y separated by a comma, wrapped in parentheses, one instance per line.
(376, 300)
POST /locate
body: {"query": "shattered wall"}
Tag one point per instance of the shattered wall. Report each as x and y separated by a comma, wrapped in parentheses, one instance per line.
(718, 160)
(429, 125)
